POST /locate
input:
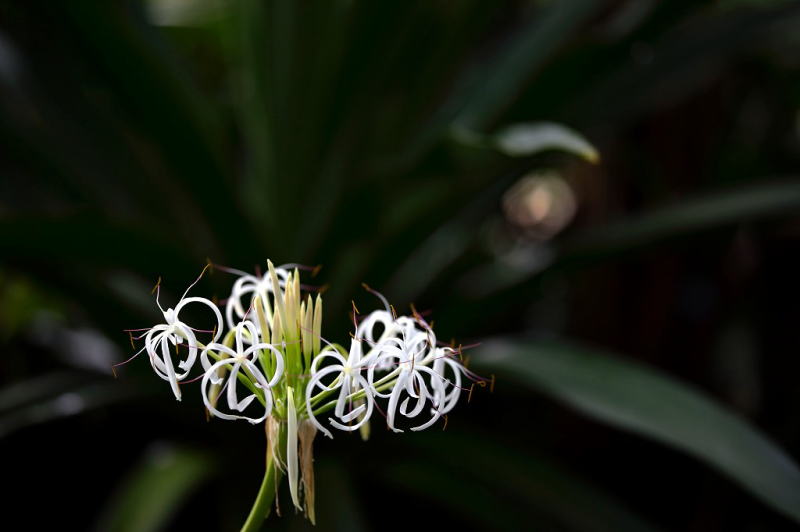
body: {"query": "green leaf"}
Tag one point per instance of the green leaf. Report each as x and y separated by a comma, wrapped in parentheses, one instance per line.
(154, 491)
(338, 498)
(512, 475)
(48, 398)
(522, 140)
(501, 81)
(685, 58)
(688, 217)
(39, 388)
(633, 397)
(487, 88)
(668, 224)
(526, 139)
(469, 498)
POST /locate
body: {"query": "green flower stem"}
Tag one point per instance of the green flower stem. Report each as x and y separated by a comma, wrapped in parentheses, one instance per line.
(266, 494)
(379, 385)
(357, 395)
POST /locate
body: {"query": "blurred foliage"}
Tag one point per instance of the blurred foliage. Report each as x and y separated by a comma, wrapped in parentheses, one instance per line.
(384, 140)
(156, 489)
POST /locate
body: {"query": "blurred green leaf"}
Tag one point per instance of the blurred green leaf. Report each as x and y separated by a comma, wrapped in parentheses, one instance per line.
(521, 140)
(658, 225)
(338, 505)
(514, 476)
(443, 246)
(526, 139)
(502, 80)
(37, 388)
(472, 500)
(48, 399)
(155, 489)
(689, 216)
(633, 397)
(488, 87)
(688, 56)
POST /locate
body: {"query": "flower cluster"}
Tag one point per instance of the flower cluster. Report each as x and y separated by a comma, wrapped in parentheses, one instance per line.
(270, 365)
(400, 362)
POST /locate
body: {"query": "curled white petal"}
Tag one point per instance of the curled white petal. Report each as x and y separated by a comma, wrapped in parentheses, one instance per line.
(247, 287)
(206, 361)
(240, 358)
(364, 411)
(233, 402)
(316, 382)
(209, 304)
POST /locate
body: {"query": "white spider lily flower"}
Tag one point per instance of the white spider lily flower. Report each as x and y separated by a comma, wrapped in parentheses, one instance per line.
(391, 327)
(174, 332)
(249, 286)
(236, 361)
(347, 378)
(410, 357)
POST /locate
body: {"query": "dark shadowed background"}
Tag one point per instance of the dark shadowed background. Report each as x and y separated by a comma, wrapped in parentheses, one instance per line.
(640, 311)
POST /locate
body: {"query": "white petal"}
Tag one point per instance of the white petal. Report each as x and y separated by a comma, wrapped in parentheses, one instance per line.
(207, 303)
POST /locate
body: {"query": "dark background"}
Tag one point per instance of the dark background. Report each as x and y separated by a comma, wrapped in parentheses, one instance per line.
(138, 140)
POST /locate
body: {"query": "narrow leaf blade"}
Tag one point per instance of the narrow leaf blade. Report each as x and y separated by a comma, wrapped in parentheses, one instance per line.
(632, 397)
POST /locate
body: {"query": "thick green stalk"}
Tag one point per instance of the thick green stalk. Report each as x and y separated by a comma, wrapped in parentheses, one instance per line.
(263, 503)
